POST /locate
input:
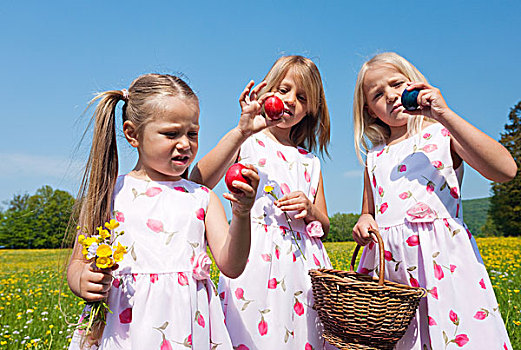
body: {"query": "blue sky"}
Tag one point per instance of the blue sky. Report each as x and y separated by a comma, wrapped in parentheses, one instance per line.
(57, 54)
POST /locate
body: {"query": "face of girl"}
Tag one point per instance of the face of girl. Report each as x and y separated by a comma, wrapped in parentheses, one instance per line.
(168, 142)
(383, 86)
(294, 98)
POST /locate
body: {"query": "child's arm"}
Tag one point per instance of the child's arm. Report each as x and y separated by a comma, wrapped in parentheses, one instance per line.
(480, 151)
(231, 250)
(366, 220)
(212, 167)
(86, 281)
(309, 211)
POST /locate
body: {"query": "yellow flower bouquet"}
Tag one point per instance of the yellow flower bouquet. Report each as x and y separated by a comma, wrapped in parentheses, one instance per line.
(101, 250)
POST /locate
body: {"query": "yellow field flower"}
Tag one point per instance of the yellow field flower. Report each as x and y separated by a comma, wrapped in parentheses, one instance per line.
(268, 188)
(112, 224)
(104, 262)
(104, 251)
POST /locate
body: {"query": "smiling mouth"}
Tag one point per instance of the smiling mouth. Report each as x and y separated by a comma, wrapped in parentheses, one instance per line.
(288, 112)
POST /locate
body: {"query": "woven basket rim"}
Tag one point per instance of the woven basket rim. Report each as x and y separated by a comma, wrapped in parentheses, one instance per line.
(323, 273)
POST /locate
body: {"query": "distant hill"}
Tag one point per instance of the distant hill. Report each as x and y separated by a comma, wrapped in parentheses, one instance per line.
(475, 212)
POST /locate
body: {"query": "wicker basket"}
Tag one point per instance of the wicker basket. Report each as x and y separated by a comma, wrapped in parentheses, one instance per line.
(363, 312)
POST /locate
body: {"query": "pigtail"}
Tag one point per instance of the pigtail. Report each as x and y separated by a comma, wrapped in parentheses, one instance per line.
(94, 201)
(101, 171)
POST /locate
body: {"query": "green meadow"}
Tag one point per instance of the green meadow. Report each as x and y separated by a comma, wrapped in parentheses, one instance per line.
(38, 311)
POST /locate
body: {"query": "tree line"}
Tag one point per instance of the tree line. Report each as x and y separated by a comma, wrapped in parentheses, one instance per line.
(40, 220)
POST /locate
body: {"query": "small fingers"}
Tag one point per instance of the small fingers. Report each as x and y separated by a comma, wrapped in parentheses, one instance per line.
(251, 173)
(245, 188)
(90, 297)
(292, 207)
(302, 214)
(244, 97)
(418, 85)
(230, 197)
(256, 90)
(265, 96)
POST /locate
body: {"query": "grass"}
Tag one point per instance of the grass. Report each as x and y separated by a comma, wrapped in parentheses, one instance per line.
(34, 298)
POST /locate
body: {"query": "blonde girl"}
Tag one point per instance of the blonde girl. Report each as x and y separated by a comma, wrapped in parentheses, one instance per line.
(160, 296)
(270, 305)
(413, 174)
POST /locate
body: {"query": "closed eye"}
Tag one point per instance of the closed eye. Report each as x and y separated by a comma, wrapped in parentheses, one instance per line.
(171, 134)
(377, 95)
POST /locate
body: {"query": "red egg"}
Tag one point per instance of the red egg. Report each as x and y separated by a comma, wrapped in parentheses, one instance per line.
(234, 173)
(274, 107)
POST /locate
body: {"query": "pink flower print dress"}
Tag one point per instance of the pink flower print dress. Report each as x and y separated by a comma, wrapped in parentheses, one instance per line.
(270, 305)
(417, 202)
(162, 296)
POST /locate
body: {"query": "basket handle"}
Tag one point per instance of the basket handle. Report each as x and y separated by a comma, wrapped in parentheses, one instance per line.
(380, 248)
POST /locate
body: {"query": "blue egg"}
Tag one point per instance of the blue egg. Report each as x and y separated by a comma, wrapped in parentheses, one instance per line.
(410, 99)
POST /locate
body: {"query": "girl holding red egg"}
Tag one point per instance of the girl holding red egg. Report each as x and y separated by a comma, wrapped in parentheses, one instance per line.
(161, 295)
(270, 306)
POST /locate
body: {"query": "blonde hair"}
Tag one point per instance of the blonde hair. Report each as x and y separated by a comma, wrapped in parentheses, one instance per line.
(313, 131)
(368, 129)
(94, 201)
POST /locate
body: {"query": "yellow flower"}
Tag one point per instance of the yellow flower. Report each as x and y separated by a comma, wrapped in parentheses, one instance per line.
(104, 251)
(120, 250)
(81, 238)
(84, 251)
(88, 241)
(112, 224)
(104, 262)
(268, 189)
(104, 234)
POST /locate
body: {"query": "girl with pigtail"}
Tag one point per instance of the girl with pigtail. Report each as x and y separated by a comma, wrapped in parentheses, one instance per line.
(160, 294)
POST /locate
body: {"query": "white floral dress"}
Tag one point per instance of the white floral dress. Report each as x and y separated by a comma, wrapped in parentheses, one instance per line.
(162, 297)
(270, 305)
(417, 202)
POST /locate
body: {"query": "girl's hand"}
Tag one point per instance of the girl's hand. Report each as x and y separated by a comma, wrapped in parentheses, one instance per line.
(297, 201)
(242, 202)
(431, 102)
(361, 233)
(251, 120)
(95, 283)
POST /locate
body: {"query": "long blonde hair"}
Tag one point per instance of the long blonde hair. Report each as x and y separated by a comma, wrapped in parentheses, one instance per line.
(368, 129)
(313, 131)
(94, 201)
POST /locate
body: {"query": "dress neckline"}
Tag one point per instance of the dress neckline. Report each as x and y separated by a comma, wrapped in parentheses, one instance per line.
(166, 182)
(410, 137)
